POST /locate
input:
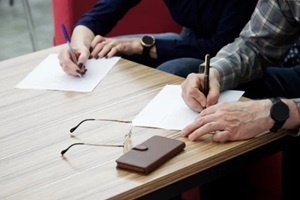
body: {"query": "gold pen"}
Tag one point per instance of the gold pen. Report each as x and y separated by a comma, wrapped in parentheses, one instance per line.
(206, 74)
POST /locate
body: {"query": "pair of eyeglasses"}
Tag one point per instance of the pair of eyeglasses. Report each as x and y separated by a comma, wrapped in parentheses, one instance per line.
(127, 143)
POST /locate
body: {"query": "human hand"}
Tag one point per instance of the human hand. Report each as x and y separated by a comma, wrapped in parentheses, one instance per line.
(67, 64)
(193, 86)
(231, 121)
(109, 47)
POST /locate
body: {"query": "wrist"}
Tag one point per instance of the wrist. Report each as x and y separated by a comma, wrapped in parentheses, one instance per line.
(263, 110)
(215, 74)
(147, 43)
(293, 122)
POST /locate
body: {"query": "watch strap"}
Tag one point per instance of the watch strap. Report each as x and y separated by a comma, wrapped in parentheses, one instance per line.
(146, 52)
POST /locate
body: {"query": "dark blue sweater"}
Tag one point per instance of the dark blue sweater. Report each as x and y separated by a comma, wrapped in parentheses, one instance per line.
(215, 22)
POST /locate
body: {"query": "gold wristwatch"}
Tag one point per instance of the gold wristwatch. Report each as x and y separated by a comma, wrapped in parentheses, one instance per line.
(147, 42)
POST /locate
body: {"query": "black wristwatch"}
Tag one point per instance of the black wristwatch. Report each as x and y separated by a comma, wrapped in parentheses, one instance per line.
(147, 42)
(280, 112)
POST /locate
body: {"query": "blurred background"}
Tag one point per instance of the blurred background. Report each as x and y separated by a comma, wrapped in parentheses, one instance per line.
(15, 37)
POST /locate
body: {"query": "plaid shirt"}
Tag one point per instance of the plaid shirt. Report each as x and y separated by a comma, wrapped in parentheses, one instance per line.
(265, 40)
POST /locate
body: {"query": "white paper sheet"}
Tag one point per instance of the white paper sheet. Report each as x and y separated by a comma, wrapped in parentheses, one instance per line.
(167, 109)
(48, 75)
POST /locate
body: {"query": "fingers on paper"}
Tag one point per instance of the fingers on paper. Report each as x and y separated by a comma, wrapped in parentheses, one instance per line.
(193, 127)
(66, 63)
(193, 98)
(193, 103)
(70, 68)
(205, 125)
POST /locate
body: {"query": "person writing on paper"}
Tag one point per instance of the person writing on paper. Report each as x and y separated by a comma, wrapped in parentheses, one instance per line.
(207, 27)
(265, 41)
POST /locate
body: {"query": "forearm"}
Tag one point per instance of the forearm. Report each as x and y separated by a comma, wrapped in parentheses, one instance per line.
(193, 47)
(293, 121)
(263, 117)
(82, 36)
(103, 17)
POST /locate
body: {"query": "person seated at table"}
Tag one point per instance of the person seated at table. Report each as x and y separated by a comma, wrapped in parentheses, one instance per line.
(265, 41)
(274, 78)
(207, 27)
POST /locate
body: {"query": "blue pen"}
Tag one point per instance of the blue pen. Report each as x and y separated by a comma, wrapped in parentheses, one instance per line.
(69, 43)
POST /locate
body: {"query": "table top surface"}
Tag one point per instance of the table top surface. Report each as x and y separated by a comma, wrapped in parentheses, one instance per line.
(35, 127)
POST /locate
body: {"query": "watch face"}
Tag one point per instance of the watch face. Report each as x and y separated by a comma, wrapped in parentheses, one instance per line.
(148, 40)
(280, 111)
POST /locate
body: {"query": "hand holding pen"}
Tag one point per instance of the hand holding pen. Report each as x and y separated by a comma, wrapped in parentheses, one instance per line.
(74, 58)
(201, 90)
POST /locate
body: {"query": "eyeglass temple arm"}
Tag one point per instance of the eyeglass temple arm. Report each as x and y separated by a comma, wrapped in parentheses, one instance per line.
(65, 150)
(74, 128)
(108, 120)
(102, 145)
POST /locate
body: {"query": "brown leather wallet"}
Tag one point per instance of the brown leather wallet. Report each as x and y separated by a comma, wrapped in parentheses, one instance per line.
(149, 155)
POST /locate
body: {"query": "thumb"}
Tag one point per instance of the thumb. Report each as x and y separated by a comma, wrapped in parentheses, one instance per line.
(214, 92)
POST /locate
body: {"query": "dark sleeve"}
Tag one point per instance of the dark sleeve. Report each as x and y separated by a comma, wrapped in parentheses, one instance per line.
(232, 18)
(293, 57)
(105, 15)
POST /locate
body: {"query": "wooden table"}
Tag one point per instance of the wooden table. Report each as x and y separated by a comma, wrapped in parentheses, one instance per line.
(35, 128)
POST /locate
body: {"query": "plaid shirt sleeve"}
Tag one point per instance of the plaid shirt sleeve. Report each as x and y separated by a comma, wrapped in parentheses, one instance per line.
(265, 40)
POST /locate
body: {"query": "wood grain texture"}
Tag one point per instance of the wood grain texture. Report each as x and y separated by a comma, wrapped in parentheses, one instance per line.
(35, 128)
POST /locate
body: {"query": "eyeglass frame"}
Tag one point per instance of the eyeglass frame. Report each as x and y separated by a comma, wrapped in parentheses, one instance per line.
(126, 144)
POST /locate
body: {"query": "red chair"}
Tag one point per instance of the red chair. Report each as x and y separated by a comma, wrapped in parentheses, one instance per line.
(69, 11)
